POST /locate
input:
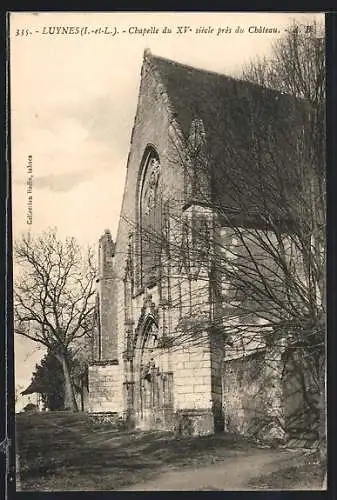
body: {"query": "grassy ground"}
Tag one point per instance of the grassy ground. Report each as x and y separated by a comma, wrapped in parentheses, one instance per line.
(302, 476)
(62, 451)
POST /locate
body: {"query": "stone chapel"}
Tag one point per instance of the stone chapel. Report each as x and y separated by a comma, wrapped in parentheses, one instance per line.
(158, 362)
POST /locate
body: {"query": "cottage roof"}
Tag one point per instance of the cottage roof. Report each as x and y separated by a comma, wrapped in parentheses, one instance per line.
(33, 387)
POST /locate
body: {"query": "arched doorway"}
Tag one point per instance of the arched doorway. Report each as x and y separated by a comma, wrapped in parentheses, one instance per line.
(154, 391)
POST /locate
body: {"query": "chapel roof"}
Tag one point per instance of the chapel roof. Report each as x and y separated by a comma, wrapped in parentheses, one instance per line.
(206, 94)
(228, 107)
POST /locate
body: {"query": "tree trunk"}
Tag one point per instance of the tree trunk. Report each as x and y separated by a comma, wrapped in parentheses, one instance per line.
(70, 402)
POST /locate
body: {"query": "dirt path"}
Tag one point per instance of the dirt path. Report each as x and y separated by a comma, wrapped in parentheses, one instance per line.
(230, 474)
(66, 452)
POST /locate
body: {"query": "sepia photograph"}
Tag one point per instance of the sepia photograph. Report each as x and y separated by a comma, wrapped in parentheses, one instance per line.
(168, 175)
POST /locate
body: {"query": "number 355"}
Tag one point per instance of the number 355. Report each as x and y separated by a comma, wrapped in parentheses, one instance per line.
(22, 32)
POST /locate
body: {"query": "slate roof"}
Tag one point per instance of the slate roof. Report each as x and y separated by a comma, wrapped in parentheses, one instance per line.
(214, 97)
(232, 111)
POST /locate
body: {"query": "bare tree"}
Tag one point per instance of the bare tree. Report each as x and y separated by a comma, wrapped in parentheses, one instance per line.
(54, 297)
(297, 68)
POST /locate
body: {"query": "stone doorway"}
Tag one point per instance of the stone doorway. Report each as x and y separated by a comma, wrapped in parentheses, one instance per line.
(155, 386)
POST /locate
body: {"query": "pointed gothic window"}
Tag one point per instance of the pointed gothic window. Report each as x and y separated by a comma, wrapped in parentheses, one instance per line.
(150, 220)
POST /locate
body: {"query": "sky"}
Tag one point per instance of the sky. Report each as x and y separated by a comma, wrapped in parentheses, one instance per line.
(73, 103)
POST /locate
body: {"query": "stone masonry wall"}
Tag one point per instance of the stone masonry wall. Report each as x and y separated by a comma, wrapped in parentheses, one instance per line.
(105, 388)
(301, 395)
(151, 127)
(243, 394)
(268, 396)
(196, 361)
(108, 319)
(107, 299)
(191, 366)
(192, 378)
(193, 390)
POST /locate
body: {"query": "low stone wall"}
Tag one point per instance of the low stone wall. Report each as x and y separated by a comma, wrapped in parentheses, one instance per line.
(243, 394)
(105, 388)
(194, 422)
(301, 397)
(269, 396)
(106, 418)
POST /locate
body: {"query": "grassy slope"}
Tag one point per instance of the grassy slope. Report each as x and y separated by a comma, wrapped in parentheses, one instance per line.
(62, 451)
(302, 477)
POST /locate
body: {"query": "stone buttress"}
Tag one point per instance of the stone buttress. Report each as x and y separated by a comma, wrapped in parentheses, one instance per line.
(104, 371)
